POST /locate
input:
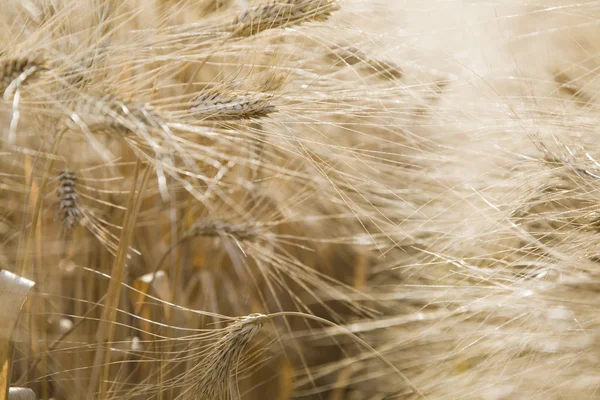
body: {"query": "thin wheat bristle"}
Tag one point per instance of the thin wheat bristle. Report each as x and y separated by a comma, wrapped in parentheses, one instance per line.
(12, 68)
(219, 364)
(218, 227)
(67, 196)
(282, 14)
(219, 106)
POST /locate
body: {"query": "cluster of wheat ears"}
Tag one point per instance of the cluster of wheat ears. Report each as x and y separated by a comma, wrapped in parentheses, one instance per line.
(308, 199)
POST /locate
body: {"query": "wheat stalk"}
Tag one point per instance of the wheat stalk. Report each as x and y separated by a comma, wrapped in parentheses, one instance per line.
(106, 329)
(282, 14)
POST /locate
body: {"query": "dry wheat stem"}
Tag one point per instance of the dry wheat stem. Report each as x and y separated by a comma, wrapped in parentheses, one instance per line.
(38, 205)
(106, 329)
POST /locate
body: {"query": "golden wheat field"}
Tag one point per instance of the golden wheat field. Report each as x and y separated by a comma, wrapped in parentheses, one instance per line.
(299, 199)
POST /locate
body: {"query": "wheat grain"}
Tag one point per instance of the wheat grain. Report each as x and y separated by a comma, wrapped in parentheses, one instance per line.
(219, 106)
(282, 14)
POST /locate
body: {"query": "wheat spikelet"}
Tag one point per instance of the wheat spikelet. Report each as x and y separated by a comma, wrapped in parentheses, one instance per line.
(351, 55)
(219, 364)
(219, 227)
(219, 106)
(109, 113)
(212, 228)
(210, 6)
(12, 68)
(67, 196)
(282, 14)
(567, 86)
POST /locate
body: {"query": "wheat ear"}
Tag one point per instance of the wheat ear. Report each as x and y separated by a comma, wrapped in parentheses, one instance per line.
(67, 199)
(282, 14)
(351, 55)
(219, 364)
(220, 106)
(212, 228)
(223, 358)
(11, 69)
(109, 113)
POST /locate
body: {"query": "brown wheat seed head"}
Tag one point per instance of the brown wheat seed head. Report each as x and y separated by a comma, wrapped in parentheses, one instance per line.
(351, 55)
(109, 113)
(282, 14)
(219, 227)
(216, 369)
(67, 196)
(221, 106)
(12, 68)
